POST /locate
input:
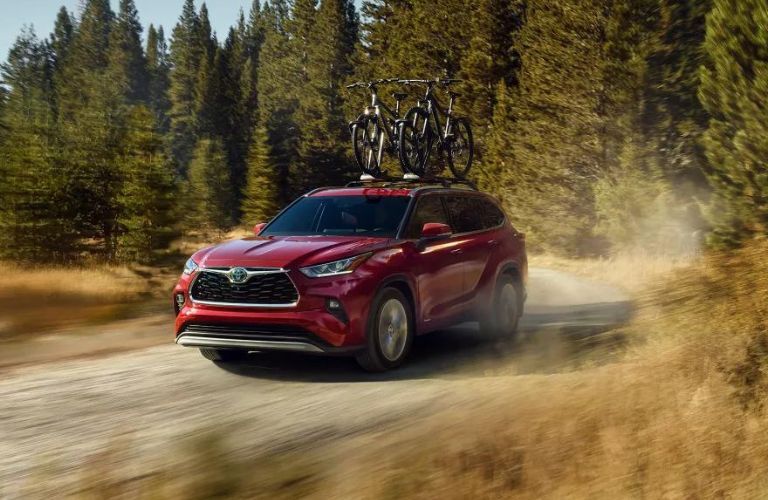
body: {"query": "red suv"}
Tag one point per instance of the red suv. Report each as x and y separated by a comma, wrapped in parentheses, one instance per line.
(356, 270)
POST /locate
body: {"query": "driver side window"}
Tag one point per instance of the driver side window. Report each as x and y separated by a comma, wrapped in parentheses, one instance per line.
(428, 209)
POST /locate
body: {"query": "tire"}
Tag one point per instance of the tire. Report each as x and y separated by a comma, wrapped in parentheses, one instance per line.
(504, 317)
(390, 332)
(365, 144)
(460, 148)
(223, 355)
(414, 141)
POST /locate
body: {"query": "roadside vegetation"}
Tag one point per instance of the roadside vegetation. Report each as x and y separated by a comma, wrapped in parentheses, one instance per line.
(679, 413)
(600, 124)
(36, 299)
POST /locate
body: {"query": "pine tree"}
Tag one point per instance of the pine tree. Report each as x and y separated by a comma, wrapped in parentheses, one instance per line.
(33, 225)
(185, 58)
(489, 60)
(552, 161)
(674, 119)
(320, 115)
(146, 195)
(253, 40)
(276, 86)
(158, 70)
(61, 38)
(206, 37)
(234, 101)
(89, 127)
(127, 63)
(209, 189)
(734, 88)
(209, 116)
(260, 199)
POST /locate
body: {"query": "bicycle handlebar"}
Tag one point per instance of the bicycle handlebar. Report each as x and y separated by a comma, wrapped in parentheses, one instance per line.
(373, 83)
(441, 81)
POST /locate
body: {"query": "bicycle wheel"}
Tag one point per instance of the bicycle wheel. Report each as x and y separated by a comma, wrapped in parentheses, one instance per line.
(415, 141)
(460, 147)
(365, 143)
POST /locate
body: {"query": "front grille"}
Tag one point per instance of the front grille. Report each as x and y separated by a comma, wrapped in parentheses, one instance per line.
(273, 289)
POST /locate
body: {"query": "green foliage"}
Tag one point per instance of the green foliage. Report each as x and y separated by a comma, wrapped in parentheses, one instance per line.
(127, 64)
(276, 90)
(146, 198)
(260, 202)
(158, 72)
(185, 58)
(734, 88)
(209, 189)
(592, 118)
(324, 63)
(32, 223)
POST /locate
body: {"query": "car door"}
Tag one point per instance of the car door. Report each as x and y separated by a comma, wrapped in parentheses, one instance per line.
(467, 221)
(436, 264)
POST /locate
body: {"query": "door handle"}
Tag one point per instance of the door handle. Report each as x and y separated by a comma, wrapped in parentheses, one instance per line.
(456, 251)
(493, 243)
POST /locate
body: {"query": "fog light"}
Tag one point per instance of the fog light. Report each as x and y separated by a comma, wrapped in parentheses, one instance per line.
(179, 302)
(334, 307)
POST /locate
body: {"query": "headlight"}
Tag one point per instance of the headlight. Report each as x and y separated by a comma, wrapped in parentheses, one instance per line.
(335, 268)
(190, 267)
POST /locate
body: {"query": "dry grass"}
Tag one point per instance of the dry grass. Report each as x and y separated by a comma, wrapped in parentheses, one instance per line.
(632, 271)
(681, 415)
(36, 299)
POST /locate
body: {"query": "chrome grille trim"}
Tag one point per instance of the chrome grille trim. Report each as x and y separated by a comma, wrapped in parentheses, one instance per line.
(251, 272)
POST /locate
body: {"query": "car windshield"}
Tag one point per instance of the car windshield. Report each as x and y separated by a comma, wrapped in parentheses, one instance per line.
(377, 216)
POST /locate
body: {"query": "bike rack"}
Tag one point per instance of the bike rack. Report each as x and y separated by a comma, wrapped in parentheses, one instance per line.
(409, 179)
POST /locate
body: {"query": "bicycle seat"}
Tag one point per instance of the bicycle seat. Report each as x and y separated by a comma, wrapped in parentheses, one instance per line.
(399, 96)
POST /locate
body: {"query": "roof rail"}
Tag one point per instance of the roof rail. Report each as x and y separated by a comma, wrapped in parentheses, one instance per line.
(410, 180)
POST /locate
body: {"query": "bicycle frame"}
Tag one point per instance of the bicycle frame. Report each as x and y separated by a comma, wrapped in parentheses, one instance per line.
(388, 119)
(432, 105)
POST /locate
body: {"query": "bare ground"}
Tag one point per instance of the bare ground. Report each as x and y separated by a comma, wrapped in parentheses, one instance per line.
(57, 417)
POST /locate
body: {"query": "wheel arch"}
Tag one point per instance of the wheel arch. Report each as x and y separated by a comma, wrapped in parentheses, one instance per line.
(513, 269)
(403, 284)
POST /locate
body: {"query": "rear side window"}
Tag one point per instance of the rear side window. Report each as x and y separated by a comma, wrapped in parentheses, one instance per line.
(465, 212)
(428, 209)
(492, 215)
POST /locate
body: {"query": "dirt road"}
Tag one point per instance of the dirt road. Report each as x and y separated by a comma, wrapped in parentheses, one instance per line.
(56, 416)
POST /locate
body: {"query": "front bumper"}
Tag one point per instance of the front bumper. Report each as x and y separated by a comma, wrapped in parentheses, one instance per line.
(257, 338)
(307, 327)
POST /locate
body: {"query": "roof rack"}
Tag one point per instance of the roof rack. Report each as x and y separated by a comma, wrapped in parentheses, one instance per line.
(410, 180)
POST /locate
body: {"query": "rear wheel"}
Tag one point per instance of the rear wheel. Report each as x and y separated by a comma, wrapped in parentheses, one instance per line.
(390, 332)
(366, 144)
(460, 147)
(505, 315)
(415, 141)
(223, 355)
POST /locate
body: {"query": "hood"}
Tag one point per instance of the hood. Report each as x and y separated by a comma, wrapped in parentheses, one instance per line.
(286, 251)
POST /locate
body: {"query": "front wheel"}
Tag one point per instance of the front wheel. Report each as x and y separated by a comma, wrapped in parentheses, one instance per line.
(365, 144)
(460, 147)
(390, 332)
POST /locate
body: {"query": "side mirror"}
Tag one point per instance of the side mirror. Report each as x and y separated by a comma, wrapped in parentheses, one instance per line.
(435, 230)
(258, 227)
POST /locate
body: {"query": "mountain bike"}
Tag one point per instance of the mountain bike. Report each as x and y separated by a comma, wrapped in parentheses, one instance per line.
(376, 130)
(421, 129)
